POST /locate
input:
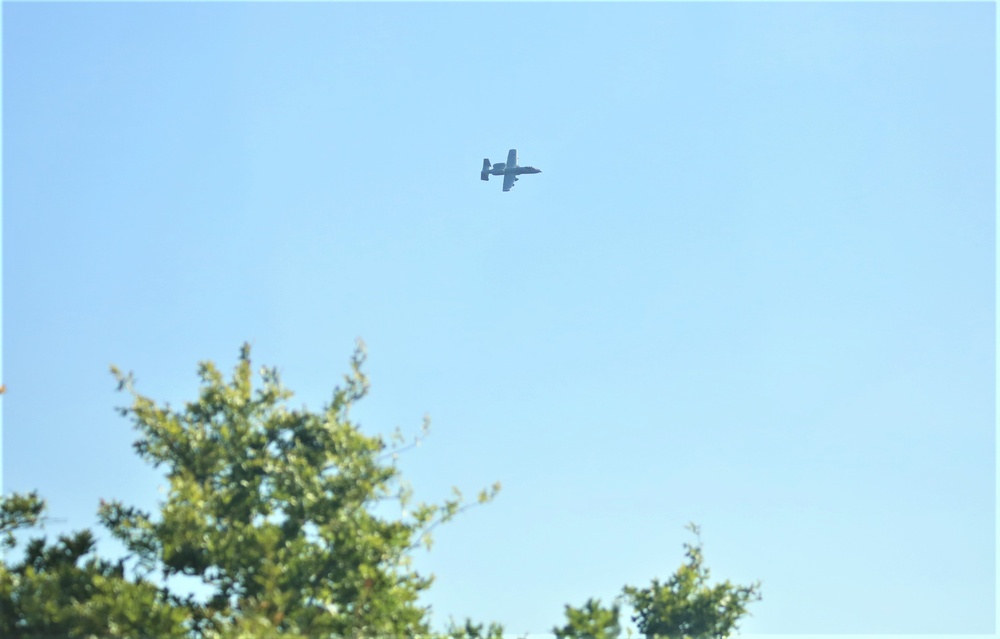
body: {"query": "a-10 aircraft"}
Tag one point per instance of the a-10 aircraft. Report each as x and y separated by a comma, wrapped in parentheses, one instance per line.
(509, 170)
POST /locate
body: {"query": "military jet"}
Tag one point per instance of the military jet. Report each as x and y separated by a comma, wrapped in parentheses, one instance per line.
(509, 170)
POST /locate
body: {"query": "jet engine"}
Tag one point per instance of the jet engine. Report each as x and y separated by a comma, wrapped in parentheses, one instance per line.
(499, 167)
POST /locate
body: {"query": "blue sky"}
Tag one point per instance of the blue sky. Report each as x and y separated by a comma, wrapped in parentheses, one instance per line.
(753, 287)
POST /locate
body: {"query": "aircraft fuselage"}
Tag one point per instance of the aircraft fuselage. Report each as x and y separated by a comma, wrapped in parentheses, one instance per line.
(500, 168)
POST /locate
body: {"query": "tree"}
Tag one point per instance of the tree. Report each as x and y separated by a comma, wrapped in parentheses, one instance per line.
(280, 514)
(470, 630)
(685, 607)
(18, 511)
(592, 621)
(273, 509)
(62, 590)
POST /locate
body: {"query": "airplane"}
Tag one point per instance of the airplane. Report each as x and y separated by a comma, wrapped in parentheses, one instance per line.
(509, 170)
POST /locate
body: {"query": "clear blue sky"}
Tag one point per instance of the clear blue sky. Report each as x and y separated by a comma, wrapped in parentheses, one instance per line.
(753, 287)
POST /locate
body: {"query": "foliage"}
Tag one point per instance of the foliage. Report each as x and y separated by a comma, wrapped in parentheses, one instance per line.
(686, 607)
(592, 621)
(273, 509)
(57, 591)
(18, 511)
(277, 512)
(470, 630)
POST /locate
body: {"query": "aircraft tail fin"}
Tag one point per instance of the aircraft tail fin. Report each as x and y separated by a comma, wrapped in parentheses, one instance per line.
(485, 175)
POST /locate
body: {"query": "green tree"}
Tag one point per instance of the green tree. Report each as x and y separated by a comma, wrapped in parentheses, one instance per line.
(592, 621)
(470, 630)
(275, 510)
(63, 590)
(280, 514)
(685, 606)
(18, 511)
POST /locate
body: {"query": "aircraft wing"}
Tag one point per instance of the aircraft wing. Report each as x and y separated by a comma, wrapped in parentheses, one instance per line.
(508, 180)
(512, 158)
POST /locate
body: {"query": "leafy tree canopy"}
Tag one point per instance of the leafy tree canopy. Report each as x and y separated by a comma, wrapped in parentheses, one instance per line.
(276, 511)
(592, 621)
(685, 606)
(273, 509)
(682, 607)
